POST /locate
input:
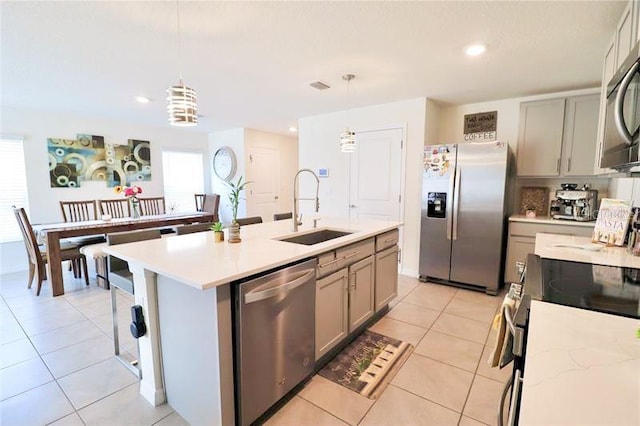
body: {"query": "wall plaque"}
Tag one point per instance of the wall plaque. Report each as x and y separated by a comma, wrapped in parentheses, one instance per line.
(481, 126)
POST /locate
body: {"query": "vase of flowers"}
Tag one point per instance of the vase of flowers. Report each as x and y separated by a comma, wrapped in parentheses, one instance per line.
(234, 199)
(131, 193)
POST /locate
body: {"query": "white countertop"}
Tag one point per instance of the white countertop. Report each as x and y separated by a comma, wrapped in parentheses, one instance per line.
(582, 367)
(547, 220)
(611, 256)
(198, 261)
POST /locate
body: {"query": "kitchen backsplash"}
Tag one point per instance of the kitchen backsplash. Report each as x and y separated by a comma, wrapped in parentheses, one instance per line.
(597, 183)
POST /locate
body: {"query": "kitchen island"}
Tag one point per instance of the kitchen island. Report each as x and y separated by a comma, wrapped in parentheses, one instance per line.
(183, 286)
(581, 249)
(582, 367)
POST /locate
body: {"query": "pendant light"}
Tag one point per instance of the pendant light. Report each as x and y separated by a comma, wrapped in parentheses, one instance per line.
(348, 137)
(181, 100)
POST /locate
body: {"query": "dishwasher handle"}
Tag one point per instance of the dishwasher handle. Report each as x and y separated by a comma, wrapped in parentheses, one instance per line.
(258, 295)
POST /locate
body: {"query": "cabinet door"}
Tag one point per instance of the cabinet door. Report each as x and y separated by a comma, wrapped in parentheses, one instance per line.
(607, 72)
(636, 21)
(540, 137)
(624, 34)
(331, 311)
(517, 250)
(361, 292)
(580, 135)
(386, 277)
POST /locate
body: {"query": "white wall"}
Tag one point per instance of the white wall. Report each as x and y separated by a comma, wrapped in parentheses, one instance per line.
(234, 139)
(452, 118)
(239, 140)
(287, 148)
(626, 189)
(36, 126)
(318, 145)
(452, 131)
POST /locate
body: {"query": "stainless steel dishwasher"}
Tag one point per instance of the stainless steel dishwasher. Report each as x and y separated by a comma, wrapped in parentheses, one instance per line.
(274, 337)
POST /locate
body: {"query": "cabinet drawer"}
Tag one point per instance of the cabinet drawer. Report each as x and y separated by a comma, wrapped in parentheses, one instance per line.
(386, 240)
(528, 229)
(355, 252)
(326, 264)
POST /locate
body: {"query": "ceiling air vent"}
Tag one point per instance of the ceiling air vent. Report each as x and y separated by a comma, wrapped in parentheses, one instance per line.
(319, 85)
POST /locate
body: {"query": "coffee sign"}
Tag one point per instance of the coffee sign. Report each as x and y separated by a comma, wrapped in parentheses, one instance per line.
(481, 126)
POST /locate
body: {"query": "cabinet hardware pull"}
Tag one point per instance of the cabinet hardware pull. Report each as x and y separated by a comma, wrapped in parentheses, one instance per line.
(569, 165)
(328, 263)
(558, 166)
(355, 253)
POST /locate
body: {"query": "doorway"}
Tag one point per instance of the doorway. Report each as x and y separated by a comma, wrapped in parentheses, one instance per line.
(375, 175)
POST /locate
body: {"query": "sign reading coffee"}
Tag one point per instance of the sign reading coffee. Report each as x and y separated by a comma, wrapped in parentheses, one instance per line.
(481, 126)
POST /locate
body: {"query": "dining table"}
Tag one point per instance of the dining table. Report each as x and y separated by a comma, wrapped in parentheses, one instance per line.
(52, 233)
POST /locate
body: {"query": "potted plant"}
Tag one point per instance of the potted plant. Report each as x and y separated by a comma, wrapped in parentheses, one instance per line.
(234, 198)
(218, 234)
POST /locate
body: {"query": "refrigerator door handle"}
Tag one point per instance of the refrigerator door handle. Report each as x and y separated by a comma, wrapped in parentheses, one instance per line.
(449, 206)
(456, 201)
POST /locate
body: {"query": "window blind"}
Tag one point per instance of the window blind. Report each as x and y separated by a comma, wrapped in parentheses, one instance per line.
(13, 192)
(183, 176)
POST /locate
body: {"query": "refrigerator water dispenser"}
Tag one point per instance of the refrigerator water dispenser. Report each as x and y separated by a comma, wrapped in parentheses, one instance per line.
(437, 204)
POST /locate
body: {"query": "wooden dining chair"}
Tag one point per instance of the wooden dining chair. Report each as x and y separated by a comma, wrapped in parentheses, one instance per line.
(199, 201)
(38, 258)
(249, 220)
(193, 228)
(212, 205)
(78, 211)
(282, 216)
(152, 206)
(116, 208)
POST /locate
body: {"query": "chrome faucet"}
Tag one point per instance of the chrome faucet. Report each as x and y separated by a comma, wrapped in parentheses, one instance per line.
(298, 220)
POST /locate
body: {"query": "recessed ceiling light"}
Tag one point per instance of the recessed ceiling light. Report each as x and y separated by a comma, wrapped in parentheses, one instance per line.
(143, 99)
(475, 49)
(293, 129)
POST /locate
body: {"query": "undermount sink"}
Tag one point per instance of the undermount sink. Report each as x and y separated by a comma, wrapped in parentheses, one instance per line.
(315, 237)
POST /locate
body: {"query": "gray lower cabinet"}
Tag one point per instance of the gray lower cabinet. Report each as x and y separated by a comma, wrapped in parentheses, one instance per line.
(332, 311)
(344, 301)
(361, 292)
(522, 241)
(386, 277)
(519, 249)
(347, 291)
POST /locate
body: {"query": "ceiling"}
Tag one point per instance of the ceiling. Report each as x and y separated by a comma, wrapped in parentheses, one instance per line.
(251, 62)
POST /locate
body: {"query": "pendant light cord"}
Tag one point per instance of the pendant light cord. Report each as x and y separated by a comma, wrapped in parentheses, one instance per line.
(179, 41)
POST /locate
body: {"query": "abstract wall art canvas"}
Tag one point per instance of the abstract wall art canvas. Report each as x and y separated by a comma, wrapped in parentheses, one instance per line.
(72, 161)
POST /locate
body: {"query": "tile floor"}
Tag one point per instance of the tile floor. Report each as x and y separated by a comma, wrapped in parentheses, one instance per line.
(57, 365)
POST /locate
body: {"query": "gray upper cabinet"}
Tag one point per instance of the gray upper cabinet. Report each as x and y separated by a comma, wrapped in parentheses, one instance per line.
(608, 69)
(625, 35)
(540, 137)
(558, 137)
(580, 135)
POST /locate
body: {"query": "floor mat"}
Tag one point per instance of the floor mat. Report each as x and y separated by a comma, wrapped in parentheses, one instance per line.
(368, 364)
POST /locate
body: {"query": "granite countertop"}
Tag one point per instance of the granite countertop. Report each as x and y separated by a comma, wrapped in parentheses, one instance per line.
(546, 247)
(582, 367)
(198, 261)
(548, 220)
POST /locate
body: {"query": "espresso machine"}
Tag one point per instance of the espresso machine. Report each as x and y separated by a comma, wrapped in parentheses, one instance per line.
(575, 204)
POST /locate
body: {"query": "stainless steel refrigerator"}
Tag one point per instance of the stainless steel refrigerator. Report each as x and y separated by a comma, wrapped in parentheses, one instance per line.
(464, 214)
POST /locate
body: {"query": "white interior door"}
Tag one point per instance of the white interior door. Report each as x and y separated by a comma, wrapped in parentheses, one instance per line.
(375, 175)
(264, 172)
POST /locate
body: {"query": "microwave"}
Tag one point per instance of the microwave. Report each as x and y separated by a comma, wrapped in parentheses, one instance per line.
(622, 117)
